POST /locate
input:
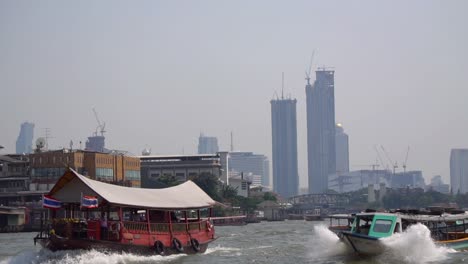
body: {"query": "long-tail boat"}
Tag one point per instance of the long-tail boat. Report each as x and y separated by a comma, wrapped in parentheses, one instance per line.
(89, 214)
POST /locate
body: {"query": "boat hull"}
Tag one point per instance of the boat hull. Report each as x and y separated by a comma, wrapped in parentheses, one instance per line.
(362, 244)
(55, 243)
(457, 244)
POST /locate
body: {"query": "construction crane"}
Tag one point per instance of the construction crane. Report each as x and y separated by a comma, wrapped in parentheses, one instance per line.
(406, 160)
(310, 68)
(380, 158)
(394, 165)
(101, 126)
(373, 166)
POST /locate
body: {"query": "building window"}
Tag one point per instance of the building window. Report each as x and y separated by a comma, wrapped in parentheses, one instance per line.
(132, 175)
(105, 174)
(244, 186)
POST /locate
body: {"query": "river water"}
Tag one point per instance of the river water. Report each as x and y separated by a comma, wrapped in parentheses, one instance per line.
(266, 242)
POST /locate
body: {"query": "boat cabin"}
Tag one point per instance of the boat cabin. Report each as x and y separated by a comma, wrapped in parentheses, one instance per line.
(376, 225)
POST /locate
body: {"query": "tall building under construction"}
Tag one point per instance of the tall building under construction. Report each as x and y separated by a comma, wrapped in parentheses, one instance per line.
(284, 144)
(321, 130)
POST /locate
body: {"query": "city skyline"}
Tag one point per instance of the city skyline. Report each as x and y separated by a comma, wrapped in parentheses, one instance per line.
(400, 74)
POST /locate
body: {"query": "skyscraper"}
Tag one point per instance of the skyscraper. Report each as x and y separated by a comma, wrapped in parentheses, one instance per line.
(342, 150)
(321, 130)
(284, 144)
(247, 162)
(459, 171)
(207, 145)
(25, 138)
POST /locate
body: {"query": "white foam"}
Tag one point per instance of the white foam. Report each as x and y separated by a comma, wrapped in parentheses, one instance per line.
(82, 257)
(326, 243)
(415, 246)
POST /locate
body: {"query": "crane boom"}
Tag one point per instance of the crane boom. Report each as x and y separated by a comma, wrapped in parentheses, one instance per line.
(394, 165)
(310, 68)
(406, 160)
(101, 126)
(380, 158)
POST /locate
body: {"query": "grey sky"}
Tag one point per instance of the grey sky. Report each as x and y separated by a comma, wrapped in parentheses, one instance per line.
(159, 73)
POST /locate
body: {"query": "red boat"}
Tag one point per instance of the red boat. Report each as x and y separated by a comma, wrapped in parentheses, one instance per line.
(155, 221)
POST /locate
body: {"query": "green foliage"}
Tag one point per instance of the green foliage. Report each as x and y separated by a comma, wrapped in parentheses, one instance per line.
(228, 193)
(413, 199)
(167, 181)
(248, 204)
(209, 183)
(404, 198)
(269, 196)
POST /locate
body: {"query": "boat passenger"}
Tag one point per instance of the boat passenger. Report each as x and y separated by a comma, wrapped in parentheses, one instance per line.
(104, 227)
(114, 229)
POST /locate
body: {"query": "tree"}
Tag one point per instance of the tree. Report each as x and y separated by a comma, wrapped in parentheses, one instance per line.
(209, 183)
(167, 180)
(269, 196)
(228, 193)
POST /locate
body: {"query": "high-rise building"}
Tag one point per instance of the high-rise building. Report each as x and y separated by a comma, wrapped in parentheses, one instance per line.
(459, 171)
(247, 162)
(284, 147)
(342, 150)
(321, 130)
(25, 138)
(96, 143)
(207, 145)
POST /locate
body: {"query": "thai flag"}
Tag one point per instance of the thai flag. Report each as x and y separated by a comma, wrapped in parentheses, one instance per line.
(89, 201)
(49, 202)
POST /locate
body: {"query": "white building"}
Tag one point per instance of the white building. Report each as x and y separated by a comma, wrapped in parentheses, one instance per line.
(241, 182)
(356, 180)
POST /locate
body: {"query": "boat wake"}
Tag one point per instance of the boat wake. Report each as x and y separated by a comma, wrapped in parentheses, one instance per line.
(327, 243)
(79, 257)
(414, 246)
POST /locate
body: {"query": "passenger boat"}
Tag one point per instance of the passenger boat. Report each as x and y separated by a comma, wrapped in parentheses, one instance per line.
(90, 214)
(369, 229)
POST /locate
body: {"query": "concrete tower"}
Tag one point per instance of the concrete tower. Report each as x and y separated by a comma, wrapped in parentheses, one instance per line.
(284, 147)
(342, 150)
(459, 171)
(25, 138)
(321, 130)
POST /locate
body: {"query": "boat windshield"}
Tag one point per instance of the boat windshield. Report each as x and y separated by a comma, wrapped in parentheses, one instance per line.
(362, 224)
(382, 225)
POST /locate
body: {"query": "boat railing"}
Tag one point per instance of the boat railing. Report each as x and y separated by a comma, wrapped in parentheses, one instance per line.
(164, 228)
(136, 227)
(449, 231)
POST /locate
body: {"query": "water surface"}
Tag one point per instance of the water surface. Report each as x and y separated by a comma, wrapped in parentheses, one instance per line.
(266, 242)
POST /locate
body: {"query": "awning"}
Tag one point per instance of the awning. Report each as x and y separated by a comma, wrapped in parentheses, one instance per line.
(187, 195)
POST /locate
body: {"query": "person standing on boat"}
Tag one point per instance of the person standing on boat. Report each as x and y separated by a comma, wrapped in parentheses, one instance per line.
(104, 229)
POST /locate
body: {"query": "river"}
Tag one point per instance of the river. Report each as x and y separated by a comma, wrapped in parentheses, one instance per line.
(266, 242)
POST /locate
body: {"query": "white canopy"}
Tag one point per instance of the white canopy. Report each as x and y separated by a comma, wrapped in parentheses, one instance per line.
(187, 195)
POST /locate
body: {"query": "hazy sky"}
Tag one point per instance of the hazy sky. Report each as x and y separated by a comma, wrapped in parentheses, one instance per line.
(161, 72)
